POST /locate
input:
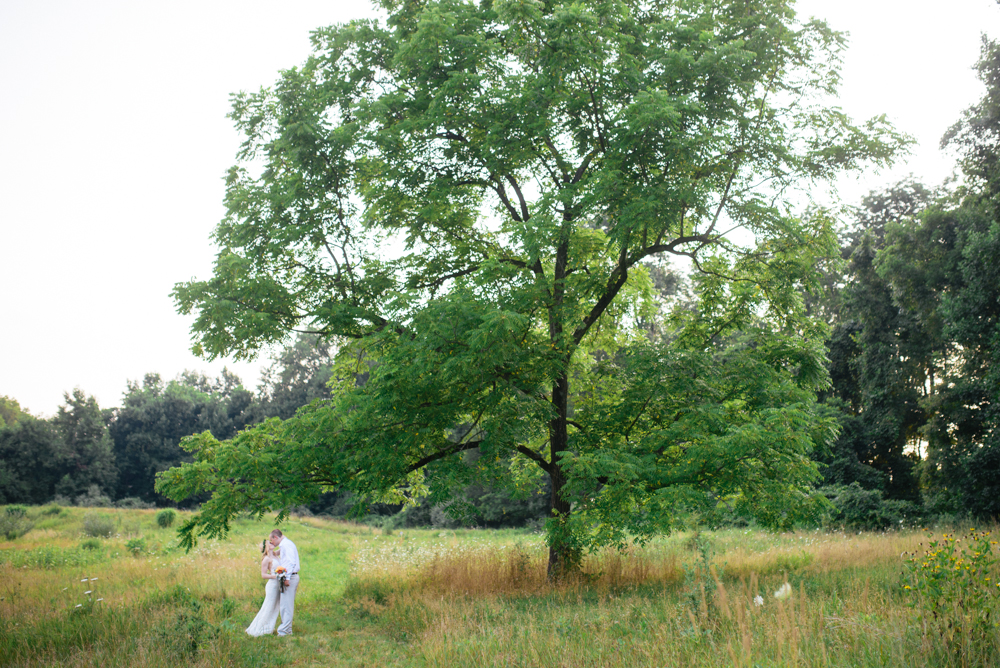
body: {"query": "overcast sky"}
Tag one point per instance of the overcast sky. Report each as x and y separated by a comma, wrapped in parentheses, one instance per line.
(114, 142)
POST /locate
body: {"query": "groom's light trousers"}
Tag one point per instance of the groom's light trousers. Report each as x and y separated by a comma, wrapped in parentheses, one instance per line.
(286, 606)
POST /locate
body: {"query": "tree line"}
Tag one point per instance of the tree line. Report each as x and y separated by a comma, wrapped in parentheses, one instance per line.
(87, 454)
(914, 353)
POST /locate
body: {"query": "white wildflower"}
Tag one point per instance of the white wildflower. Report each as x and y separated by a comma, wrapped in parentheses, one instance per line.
(87, 592)
(758, 600)
(784, 592)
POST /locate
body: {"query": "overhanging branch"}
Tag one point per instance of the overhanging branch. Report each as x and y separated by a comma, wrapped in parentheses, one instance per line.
(441, 454)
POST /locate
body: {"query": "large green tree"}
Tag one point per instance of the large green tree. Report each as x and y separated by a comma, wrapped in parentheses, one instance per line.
(468, 191)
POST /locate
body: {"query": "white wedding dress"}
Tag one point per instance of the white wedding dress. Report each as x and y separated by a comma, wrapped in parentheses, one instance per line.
(263, 624)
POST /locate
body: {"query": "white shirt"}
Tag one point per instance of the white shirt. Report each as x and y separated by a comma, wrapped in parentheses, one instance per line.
(289, 555)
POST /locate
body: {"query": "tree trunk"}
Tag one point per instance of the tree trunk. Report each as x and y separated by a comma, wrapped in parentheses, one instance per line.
(564, 554)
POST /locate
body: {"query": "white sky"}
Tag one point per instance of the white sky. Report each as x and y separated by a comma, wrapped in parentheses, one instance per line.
(114, 143)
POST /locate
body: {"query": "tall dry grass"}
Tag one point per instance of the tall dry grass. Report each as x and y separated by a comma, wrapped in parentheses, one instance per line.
(492, 606)
(519, 568)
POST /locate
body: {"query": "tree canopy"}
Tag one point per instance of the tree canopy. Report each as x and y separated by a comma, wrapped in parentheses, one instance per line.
(467, 194)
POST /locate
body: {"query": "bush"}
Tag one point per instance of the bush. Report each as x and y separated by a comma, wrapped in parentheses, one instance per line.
(188, 634)
(133, 503)
(90, 544)
(16, 510)
(98, 526)
(165, 518)
(14, 522)
(94, 498)
(861, 509)
(51, 509)
(136, 546)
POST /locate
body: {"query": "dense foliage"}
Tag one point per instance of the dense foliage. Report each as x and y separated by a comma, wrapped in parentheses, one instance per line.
(914, 354)
(86, 455)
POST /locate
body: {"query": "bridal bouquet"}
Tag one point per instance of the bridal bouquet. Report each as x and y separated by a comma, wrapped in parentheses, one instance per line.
(283, 576)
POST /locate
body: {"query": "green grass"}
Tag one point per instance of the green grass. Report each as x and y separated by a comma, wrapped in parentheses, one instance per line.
(460, 598)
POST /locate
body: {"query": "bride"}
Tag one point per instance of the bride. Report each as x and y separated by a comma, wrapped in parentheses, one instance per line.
(263, 624)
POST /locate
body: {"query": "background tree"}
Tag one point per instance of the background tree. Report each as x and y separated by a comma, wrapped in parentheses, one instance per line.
(155, 416)
(10, 411)
(961, 280)
(30, 461)
(65, 455)
(881, 356)
(524, 159)
(82, 430)
(298, 375)
(914, 349)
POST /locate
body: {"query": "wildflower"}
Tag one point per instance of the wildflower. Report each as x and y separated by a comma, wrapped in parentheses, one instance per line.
(87, 592)
(783, 592)
(758, 600)
(79, 605)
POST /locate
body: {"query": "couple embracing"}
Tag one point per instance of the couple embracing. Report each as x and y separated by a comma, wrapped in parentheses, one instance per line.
(279, 553)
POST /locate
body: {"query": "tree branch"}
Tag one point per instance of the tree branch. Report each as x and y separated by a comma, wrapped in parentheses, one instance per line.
(458, 447)
(502, 194)
(524, 206)
(582, 169)
(535, 457)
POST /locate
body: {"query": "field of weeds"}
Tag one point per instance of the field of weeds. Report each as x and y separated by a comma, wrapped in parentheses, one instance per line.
(480, 598)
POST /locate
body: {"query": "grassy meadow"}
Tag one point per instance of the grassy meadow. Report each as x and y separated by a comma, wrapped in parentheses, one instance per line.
(471, 598)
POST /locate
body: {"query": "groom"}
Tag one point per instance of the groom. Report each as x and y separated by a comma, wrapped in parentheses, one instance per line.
(289, 558)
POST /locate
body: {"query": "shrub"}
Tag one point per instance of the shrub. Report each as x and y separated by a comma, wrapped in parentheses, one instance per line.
(94, 498)
(14, 522)
(133, 503)
(51, 509)
(861, 509)
(188, 633)
(90, 544)
(16, 510)
(166, 517)
(302, 511)
(98, 526)
(60, 500)
(136, 546)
